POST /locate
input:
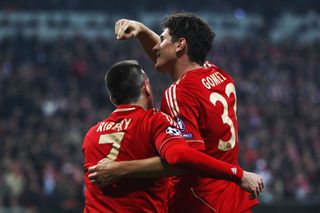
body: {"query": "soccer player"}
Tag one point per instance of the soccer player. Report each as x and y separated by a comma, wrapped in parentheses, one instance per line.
(137, 131)
(203, 101)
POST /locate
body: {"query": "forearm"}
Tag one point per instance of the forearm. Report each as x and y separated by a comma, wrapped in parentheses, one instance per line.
(150, 167)
(148, 39)
(183, 157)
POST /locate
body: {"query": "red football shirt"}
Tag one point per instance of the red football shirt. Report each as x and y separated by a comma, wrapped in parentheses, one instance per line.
(129, 133)
(203, 102)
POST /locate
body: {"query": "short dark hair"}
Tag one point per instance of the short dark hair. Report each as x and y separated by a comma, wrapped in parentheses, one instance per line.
(124, 81)
(196, 31)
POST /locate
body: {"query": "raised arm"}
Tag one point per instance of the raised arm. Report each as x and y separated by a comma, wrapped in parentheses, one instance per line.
(125, 29)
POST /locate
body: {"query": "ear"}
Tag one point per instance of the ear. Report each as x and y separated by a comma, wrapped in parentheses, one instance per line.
(147, 89)
(181, 44)
(113, 101)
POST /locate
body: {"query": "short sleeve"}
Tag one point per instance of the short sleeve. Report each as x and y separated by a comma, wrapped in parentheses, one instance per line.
(165, 132)
(182, 106)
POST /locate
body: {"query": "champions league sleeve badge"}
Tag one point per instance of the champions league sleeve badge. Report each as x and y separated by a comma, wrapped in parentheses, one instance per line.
(173, 131)
(180, 123)
(182, 128)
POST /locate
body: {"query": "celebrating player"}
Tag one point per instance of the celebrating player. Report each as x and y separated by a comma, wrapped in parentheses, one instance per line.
(203, 101)
(136, 131)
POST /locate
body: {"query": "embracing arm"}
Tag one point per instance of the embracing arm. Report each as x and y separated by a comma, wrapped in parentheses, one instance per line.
(108, 171)
(125, 29)
(183, 157)
(150, 167)
(180, 156)
(186, 158)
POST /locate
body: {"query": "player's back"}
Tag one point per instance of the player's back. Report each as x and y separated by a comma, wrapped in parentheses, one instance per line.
(204, 105)
(203, 101)
(125, 135)
(216, 96)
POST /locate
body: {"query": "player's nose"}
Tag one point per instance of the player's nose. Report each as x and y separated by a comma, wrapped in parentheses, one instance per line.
(155, 49)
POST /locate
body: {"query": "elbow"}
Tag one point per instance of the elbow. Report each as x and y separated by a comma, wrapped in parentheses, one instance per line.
(176, 157)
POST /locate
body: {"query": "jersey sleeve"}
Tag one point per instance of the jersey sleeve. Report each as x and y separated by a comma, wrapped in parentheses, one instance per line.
(186, 158)
(174, 149)
(165, 132)
(182, 106)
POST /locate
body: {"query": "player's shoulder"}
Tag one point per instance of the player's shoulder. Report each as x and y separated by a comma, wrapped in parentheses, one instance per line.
(160, 117)
(208, 64)
(149, 115)
(193, 77)
(155, 113)
(91, 134)
(192, 81)
(93, 130)
(151, 112)
(185, 86)
(214, 68)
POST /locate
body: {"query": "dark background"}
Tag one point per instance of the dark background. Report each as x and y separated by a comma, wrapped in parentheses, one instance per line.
(52, 91)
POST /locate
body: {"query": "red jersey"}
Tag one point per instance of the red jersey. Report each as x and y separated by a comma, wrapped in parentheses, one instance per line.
(203, 102)
(129, 133)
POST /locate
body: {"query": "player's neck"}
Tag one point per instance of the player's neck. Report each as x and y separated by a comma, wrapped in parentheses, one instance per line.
(183, 67)
(143, 102)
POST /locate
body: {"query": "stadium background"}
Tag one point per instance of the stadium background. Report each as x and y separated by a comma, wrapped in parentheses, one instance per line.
(53, 57)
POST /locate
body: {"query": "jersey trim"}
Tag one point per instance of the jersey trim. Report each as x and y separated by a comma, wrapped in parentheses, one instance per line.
(175, 99)
(207, 64)
(199, 198)
(195, 141)
(124, 109)
(166, 141)
(168, 101)
(172, 101)
(171, 98)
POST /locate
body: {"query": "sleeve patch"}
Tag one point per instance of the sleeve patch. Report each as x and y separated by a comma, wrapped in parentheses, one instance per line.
(181, 124)
(173, 131)
(187, 135)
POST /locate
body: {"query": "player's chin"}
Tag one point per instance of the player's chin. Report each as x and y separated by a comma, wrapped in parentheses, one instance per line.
(160, 67)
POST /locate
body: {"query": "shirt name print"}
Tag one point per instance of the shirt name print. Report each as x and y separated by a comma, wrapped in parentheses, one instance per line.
(213, 80)
(122, 125)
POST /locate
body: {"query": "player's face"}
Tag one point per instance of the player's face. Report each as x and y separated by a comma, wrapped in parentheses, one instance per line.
(165, 52)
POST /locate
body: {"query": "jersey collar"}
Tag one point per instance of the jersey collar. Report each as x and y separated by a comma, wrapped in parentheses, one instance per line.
(187, 72)
(127, 107)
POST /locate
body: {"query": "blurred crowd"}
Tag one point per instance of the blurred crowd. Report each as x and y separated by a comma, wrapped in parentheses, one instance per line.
(51, 92)
(266, 7)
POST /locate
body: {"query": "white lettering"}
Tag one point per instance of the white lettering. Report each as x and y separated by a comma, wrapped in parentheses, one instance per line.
(220, 76)
(213, 80)
(109, 126)
(126, 123)
(100, 127)
(104, 126)
(205, 83)
(117, 126)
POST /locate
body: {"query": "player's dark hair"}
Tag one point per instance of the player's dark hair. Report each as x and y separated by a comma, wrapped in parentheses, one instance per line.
(196, 31)
(124, 81)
